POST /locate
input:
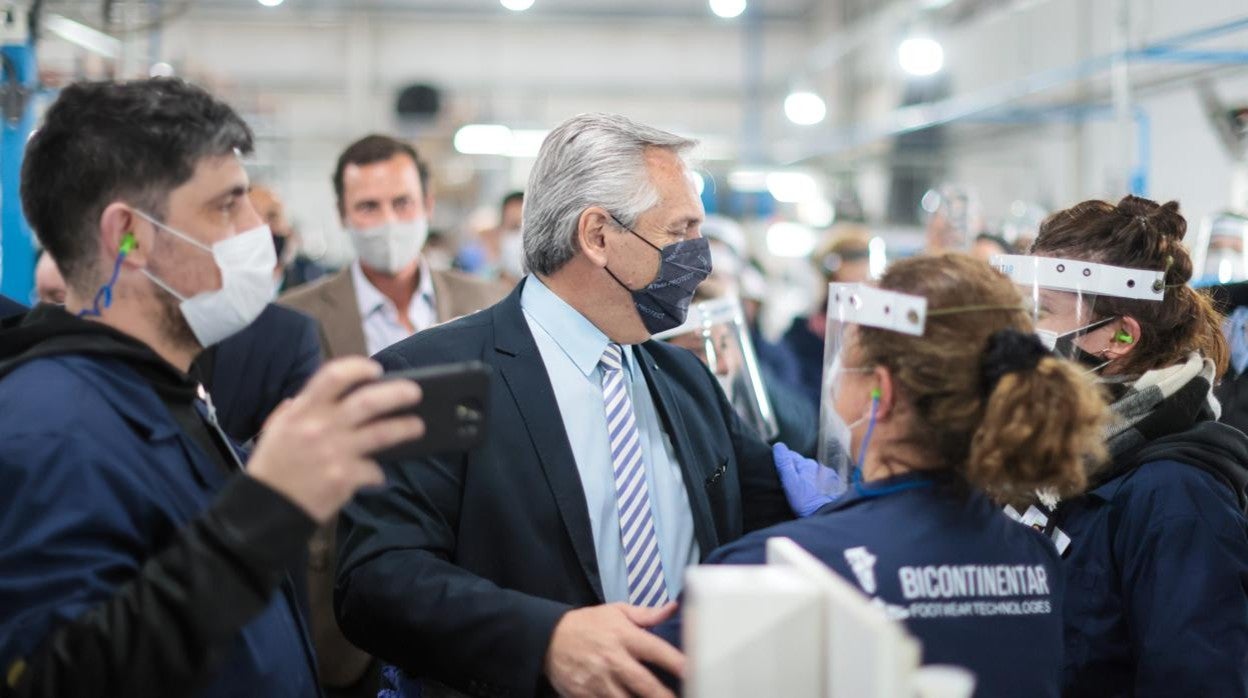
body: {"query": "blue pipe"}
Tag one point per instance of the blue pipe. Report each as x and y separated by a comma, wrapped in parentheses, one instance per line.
(1143, 152)
(1205, 33)
(17, 249)
(1139, 176)
(1168, 55)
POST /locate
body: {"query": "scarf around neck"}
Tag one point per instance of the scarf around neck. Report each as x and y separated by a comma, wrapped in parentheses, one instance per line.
(1161, 402)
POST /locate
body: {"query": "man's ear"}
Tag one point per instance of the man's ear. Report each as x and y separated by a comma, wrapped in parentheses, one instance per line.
(121, 229)
(592, 229)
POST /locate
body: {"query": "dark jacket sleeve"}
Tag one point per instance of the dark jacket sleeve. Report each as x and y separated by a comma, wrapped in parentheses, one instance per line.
(399, 597)
(305, 360)
(265, 364)
(163, 632)
(1183, 552)
(763, 502)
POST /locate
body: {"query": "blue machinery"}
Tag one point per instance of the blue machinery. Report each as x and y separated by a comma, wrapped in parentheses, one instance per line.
(17, 250)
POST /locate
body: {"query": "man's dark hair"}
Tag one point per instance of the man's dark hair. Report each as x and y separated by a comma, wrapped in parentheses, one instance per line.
(102, 142)
(514, 197)
(378, 148)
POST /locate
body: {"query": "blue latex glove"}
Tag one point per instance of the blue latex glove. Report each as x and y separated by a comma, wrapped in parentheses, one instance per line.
(807, 485)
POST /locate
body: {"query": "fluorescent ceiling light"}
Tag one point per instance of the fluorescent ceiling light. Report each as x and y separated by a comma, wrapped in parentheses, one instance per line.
(792, 187)
(497, 139)
(805, 108)
(752, 181)
(816, 212)
(790, 240)
(483, 139)
(517, 5)
(728, 8)
(83, 36)
(921, 56)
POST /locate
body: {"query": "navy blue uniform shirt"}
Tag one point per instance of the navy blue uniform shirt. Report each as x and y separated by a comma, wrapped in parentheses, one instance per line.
(1157, 575)
(976, 588)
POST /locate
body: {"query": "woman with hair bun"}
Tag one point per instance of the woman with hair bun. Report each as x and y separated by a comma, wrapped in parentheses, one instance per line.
(949, 407)
(1156, 553)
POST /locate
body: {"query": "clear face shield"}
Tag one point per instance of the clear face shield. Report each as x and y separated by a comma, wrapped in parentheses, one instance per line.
(716, 332)
(850, 391)
(1063, 296)
(1220, 250)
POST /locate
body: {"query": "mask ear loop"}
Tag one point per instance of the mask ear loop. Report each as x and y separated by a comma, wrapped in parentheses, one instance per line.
(104, 297)
(866, 438)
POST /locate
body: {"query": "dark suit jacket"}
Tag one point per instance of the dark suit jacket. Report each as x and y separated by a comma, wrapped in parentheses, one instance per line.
(460, 568)
(249, 374)
(332, 302)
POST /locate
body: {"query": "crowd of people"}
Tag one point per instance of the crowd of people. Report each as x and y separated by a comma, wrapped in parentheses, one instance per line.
(190, 502)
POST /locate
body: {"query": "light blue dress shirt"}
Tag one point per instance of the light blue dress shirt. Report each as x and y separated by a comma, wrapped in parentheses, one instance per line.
(379, 315)
(571, 348)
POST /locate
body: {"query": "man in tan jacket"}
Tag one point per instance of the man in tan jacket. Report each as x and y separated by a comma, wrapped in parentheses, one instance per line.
(389, 292)
(386, 295)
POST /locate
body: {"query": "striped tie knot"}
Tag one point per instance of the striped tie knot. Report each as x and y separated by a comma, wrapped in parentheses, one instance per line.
(612, 357)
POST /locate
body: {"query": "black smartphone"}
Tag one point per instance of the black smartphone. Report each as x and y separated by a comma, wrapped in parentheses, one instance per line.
(454, 407)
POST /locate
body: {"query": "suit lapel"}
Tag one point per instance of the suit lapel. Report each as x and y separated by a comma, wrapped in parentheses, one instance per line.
(521, 366)
(674, 424)
(344, 328)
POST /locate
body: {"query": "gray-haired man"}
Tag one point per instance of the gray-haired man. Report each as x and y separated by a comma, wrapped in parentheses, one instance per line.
(612, 462)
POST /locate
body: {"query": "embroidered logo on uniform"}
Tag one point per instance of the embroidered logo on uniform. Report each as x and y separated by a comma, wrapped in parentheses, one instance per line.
(863, 564)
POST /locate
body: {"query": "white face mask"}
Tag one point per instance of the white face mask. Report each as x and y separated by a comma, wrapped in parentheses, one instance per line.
(246, 261)
(389, 247)
(837, 434)
(843, 434)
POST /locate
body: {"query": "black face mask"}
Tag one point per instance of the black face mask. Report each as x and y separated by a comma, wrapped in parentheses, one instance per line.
(664, 302)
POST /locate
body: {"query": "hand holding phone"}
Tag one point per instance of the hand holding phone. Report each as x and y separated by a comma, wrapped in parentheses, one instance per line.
(454, 408)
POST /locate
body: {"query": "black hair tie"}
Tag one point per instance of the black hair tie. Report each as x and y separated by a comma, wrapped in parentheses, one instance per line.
(1010, 351)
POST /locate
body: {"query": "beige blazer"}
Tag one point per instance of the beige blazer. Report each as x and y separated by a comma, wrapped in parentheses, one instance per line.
(333, 304)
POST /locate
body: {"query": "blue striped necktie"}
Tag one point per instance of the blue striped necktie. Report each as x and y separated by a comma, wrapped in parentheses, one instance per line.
(646, 584)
